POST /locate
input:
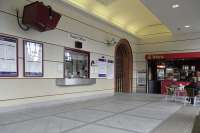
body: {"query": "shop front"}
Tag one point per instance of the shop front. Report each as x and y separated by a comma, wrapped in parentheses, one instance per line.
(173, 70)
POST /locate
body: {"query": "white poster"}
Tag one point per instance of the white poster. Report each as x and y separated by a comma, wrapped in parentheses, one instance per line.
(8, 56)
(141, 78)
(110, 69)
(33, 59)
(102, 68)
(2, 49)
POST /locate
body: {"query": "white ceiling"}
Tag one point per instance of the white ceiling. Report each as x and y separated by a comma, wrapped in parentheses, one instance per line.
(187, 14)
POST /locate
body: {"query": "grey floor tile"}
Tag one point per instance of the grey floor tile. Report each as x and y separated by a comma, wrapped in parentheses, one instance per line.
(41, 112)
(149, 113)
(114, 107)
(44, 125)
(96, 102)
(52, 110)
(117, 114)
(162, 107)
(138, 97)
(180, 122)
(6, 118)
(85, 115)
(97, 129)
(132, 123)
(130, 102)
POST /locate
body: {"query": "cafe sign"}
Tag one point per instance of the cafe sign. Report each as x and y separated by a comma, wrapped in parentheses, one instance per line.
(155, 57)
(171, 56)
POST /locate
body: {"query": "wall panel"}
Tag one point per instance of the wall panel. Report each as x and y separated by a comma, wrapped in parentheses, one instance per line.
(94, 31)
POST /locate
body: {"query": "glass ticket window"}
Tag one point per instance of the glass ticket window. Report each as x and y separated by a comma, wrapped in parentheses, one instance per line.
(76, 63)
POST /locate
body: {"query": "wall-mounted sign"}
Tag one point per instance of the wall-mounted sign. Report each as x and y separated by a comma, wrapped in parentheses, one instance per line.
(33, 59)
(110, 69)
(102, 68)
(8, 57)
(93, 69)
(155, 57)
(77, 37)
(187, 55)
(141, 78)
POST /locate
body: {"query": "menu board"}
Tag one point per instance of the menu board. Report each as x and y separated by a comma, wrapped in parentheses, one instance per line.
(8, 57)
(33, 59)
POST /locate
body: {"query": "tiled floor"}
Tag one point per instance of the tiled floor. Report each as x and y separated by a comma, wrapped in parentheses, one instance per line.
(114, 114)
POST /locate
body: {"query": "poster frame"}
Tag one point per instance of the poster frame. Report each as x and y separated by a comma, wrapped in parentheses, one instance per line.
(17, 69)
(28, 74)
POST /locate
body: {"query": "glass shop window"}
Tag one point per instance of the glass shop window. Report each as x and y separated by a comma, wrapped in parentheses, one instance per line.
(76, 63)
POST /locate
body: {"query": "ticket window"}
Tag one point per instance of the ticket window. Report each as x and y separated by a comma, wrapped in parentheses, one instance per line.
(76, 63)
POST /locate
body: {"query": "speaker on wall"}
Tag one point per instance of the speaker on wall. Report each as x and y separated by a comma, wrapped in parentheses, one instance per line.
(78, 44)
(40, 16)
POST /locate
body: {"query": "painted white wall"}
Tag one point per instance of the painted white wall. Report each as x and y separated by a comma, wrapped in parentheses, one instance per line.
(25, 90)
(166, 44)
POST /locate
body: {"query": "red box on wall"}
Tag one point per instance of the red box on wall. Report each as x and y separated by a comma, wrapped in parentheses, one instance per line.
(40, 17)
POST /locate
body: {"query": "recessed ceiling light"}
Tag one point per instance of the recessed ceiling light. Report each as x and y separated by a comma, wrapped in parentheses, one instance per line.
(175, 6)
(187, 26)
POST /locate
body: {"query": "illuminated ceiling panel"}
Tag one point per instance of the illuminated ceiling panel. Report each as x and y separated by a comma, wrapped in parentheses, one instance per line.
(129, 15)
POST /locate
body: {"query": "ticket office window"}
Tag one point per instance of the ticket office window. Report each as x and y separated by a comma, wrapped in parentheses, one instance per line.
(76, 63)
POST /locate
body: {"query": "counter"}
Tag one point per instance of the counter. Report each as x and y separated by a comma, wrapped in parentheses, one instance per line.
(74, 82)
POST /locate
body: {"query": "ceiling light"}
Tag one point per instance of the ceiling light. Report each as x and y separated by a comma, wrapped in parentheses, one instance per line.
(187, 26)
(175, 6)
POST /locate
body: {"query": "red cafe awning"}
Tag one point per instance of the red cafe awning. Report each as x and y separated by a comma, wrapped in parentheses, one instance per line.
(190, 55)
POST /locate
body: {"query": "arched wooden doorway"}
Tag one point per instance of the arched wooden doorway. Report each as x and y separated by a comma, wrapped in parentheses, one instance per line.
(123, 67)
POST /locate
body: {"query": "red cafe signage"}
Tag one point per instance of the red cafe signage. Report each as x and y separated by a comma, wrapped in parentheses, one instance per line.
(155, 57)
(190, 55)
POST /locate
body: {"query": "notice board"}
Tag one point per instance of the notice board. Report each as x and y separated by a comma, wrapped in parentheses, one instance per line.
(101, 66)
(8, 57)
(33, 59)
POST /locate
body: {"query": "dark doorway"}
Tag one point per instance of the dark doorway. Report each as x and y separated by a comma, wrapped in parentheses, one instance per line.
(123, 67)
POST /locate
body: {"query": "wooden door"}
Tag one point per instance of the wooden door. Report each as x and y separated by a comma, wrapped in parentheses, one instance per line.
(123, 67)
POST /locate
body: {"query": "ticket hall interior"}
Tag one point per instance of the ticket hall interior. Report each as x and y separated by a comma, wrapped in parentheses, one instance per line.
(99, 66)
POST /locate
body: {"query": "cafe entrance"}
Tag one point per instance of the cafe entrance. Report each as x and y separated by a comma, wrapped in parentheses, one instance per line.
(176, 69)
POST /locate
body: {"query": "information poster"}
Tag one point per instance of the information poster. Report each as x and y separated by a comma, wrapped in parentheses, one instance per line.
(141, 78)
(94, 69)
(8, 57)
(33, 59)
(102, 68)
(110, 69)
